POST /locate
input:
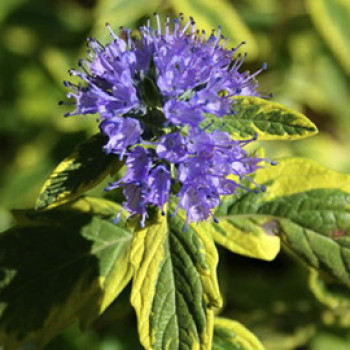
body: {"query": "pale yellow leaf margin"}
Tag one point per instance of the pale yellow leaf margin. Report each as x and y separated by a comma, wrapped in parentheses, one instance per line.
(147, 254)
(240, 335)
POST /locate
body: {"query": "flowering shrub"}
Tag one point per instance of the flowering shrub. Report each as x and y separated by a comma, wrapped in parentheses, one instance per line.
(176, 111)
(159, 92)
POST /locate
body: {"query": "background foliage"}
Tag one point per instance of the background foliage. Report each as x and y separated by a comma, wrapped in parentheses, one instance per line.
(306, 44)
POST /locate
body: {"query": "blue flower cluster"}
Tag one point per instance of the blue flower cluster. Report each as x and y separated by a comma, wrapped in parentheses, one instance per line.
(153, 94)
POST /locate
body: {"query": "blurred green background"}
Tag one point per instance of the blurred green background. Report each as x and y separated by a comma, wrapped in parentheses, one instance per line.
(307, 47)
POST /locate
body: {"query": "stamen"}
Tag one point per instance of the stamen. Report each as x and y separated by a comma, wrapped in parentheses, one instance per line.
(176, 26)
(143, 219)
(194, 26)
(116, 219)
(167, 26)
(206, 127)
(185, 27)
(115, 36)
(240, 59)
(240, 45)
(264, 67)
(215, 219)
(203, 36)
(261, 188)
(159, 25)
(72, 95)
(219, 32)
(95, 45)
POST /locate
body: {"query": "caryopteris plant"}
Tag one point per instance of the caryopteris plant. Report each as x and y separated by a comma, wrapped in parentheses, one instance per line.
(176, 111)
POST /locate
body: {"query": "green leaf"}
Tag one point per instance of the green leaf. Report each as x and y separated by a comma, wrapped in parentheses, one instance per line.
(331, 18)
(231, 335)
(59, 266)
(209, 15)
(85, 168)
(268, 120)
(174, 287)
(308, 206)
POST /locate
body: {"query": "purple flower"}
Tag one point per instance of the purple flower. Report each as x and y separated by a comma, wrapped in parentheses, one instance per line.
(200, 143)
(197, 202)
(194, 169)
(172, 148)
(159, 181)
(136, 200)
(138, 164)
(151, 94)
(180, 112)
(122, 132)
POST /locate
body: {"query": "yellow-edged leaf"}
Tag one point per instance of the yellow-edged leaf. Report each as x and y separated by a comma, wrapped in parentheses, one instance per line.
(334, 295)
(85, 168)
(268, 120)
(248, 237)
(174, 287)
(307, 206)
(231, 335)
(60, 266)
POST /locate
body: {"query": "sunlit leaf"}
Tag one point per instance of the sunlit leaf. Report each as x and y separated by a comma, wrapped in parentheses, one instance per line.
(231, 335)
(307, 206)
(85, 168)
(246, 236)
(174, 288)
(268, 120)
(59, 266)
(332, 18)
